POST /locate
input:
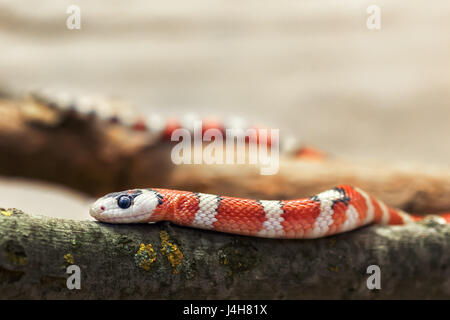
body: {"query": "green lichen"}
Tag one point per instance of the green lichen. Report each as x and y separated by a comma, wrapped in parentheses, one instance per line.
(171, 251)
(15, 253)
(69, 258)
(145, 256)
(238, 257)
(333, 268)
(6, 213)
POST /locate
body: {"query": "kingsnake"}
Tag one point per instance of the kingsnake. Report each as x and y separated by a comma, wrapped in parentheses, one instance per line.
(334, 211)
(337, 210)
(158, 128)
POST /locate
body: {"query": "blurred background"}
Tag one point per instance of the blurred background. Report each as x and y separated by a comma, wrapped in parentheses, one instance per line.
(311, 68)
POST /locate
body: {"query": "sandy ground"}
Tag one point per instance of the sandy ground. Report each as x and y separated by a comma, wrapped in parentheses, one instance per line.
(308, 67)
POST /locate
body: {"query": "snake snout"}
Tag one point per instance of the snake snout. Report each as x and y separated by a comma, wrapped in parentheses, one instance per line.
(96, 209)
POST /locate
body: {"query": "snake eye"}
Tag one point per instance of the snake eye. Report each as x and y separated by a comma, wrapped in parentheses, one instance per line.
(124, 202)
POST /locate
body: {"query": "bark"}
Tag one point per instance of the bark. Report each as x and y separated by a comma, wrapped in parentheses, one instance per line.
(194, 264)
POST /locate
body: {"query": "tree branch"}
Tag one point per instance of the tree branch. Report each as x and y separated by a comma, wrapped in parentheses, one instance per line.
(195, 264)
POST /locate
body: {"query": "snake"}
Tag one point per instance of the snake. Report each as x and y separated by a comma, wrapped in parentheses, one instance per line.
(158, 128)
(337, 210)
(333, 211)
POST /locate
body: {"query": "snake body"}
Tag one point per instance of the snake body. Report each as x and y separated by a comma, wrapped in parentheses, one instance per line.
(160, 129)
(334, 211)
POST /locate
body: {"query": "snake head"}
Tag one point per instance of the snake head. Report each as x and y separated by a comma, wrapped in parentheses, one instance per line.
(131, 206)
